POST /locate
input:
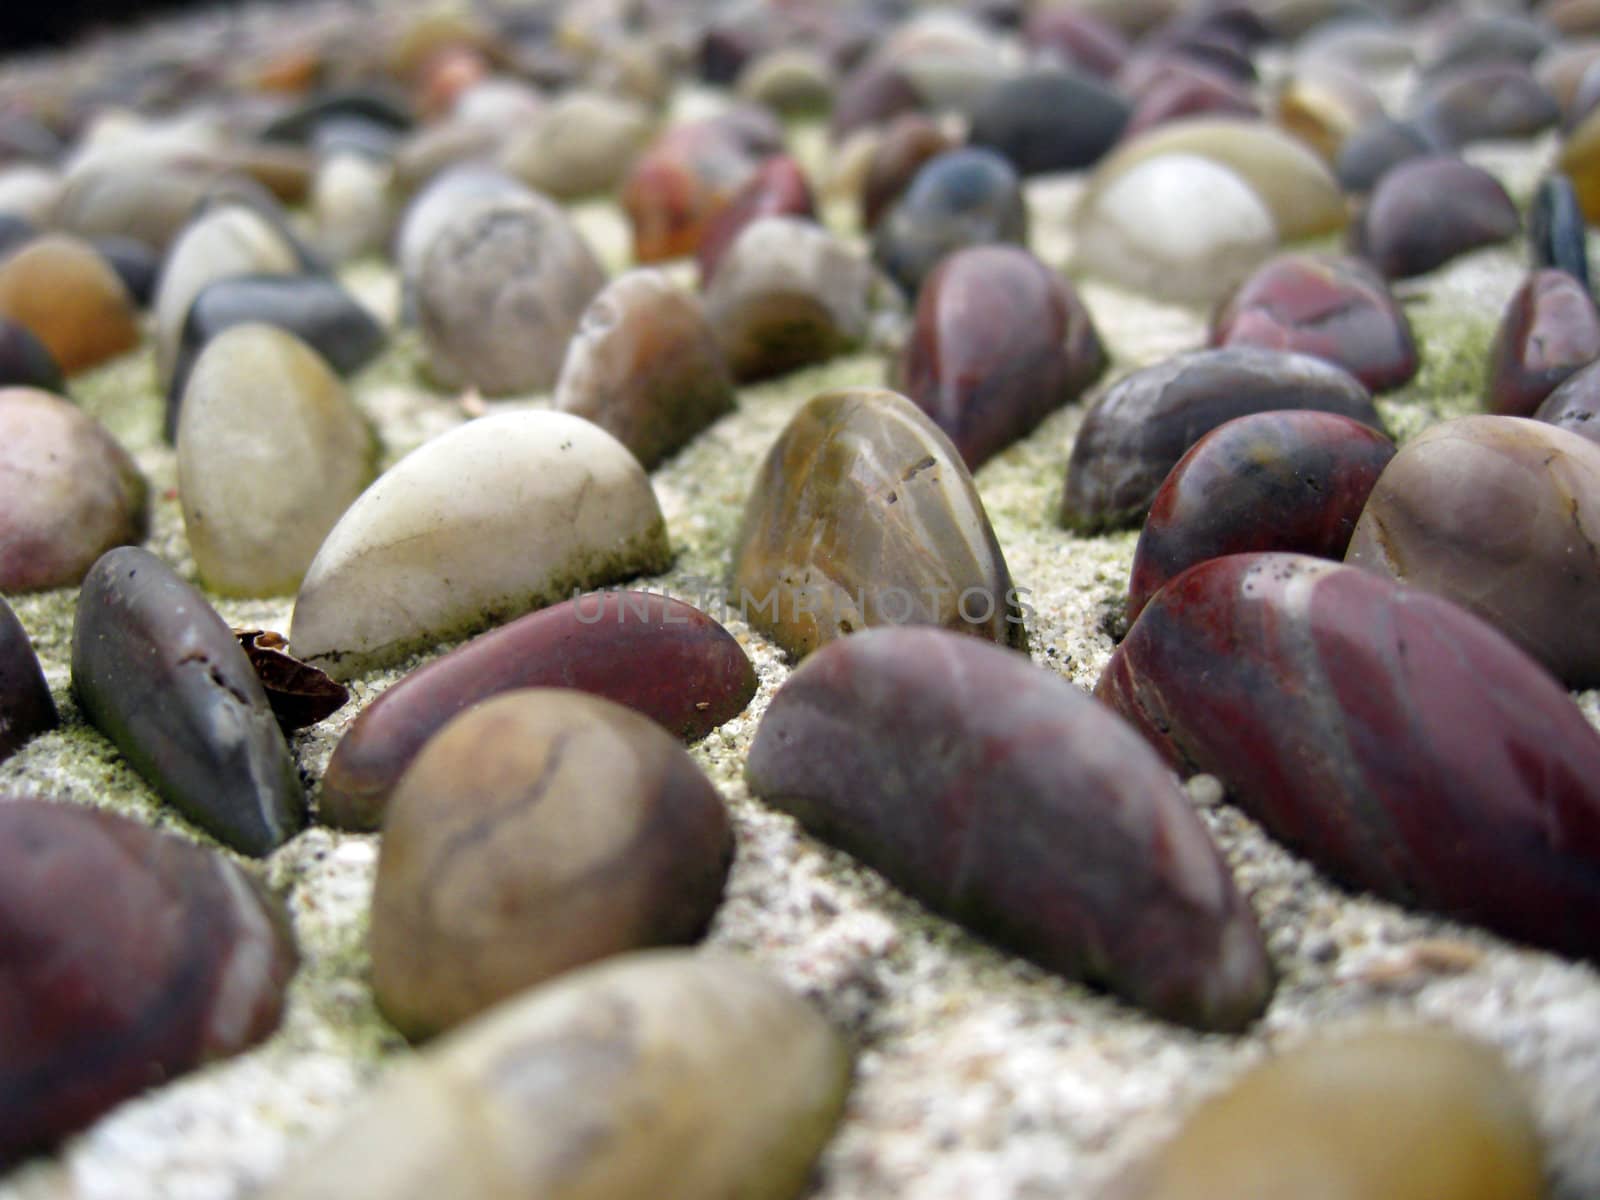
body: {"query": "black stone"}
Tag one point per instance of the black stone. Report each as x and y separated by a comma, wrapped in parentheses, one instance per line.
(135, 263)
(26, 708)
(25, 361)
(1049, 120)
(1557, 236)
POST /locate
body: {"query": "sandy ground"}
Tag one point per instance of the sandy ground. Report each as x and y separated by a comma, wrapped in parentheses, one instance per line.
(979, 1076)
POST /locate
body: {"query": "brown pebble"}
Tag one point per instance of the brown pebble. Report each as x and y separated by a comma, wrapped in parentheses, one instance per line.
(72, 300)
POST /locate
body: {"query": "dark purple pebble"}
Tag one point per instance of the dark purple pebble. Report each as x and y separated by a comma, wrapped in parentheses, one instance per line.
(1427, 211)
(1575, 404)
(26, 709)
(1550, 330)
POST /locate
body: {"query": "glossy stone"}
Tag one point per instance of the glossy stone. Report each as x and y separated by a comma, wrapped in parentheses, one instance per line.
(68, 297)
(1489, 101)
(1334, 308)
(1426, 211)
(1494, 513)
(539, 831)
(907, 143)
(962, 198)
(1557, 236)
(1398, 1113)
(659, 1075)
(24, 360)
(1138, 429)
(1178, 226)
(583, 142)
(1290, 678)
(655, 655)
(271, 451)
(864, 515)
(68, 492)
(26, 708)
(500, 293)
(1000, 342)
(499, 516)
(160, 674)
(1048, 119)
(300, 694)
(645, 366)
(1290, 480)
(787, 294)
(1036, 823)
(778, 188)
(131, 957)
(1575, 404)
(315, 309)
(1379, 145)
(228, 242)
(1550, 329)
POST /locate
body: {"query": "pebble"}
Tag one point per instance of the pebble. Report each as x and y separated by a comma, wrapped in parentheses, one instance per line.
(1347, 714)
(1550, 329)
(228, 242)
(658, 656)
(437, 204)
(502, 287)
(132, 957)
(26, 709)
(1379, 145)
(32, 194)
(1182, 88)
(582, 143)
(1557, 234)
(906, 144)
(1136, 431)
(1489, 101)
(778, 188)
(1076, 39)
(1427, 211)
(1579, 158)
(1331, 307)
(150, 203)
(499, 516)
(657, 1075)
(352, 212)
(541, 830)
(68, 492)
(787, 294)
(1324, 105)
(271, 452)
(876, 92)
(646, 367)
(967, 197)
(1291, 480)
(793, 81)
(864, 515)
(1491, 38)
(1575, 404)
(1493, 513)
(1377, 1113)
(314, 308)
(1043, 821)
(25, 362)
(1048, 119)
(68, 296)
(1000, 342)
(157, 671)
(299, 124)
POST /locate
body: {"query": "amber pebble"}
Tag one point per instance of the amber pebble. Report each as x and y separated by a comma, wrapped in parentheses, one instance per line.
(1000, 342)
(1550, 329)
(907, 142)
(130, 957)
(777, 189)
(966, 197)
(1575, 404)
(1426, 211)
(24, 360)
(1351, 717)
(68, 491)
(26, 708)
(863, 514)
(536, 832)
(1292, 480)
(1377, 1114)
(1495, 513)
(655, 655)
(1138, 429)
(645, 366)
(1040, 820)
(71, 299)
(1334, 308)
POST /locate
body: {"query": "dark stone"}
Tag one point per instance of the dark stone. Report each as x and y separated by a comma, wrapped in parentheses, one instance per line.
(1426, 211)
(1399, 742)
(778, 188)
(300, 124)
(1575, 405)
(300, 694)
(26, 708)
(135, 263)
(964, 198)
(314, 308)
(1290, 480)
(1484, 102)
(1333, 308)
(658, 656)
(1000, 342)
(1371, 151)
(1550, 329)
(160, 674)
(1035, 822)
(1138, 429)
(1557, 233)
(130, 957)
(1048, 120)
(909, 141)
(26, 362)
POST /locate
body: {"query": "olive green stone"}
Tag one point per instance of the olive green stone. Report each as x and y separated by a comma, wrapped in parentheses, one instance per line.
(659, 1075)
(1396, 1114)
(864, 514)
